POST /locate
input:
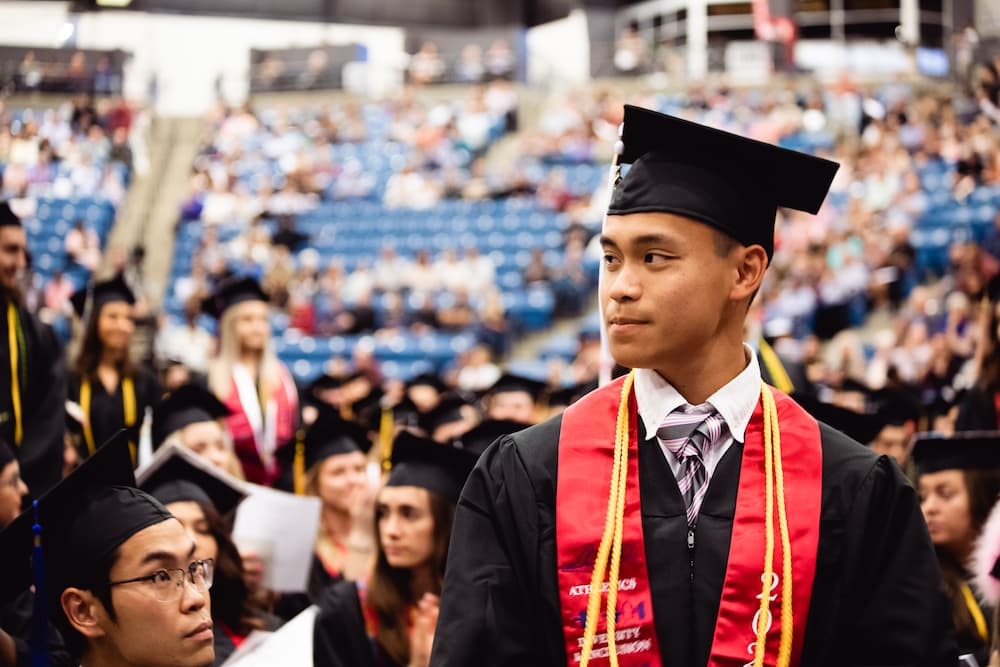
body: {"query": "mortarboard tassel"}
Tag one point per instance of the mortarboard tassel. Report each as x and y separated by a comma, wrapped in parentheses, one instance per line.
(385, 432)
(39, 612)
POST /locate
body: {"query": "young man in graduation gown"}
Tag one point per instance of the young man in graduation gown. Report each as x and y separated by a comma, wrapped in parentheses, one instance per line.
(32, 370)
(835, 569)
(113, 569)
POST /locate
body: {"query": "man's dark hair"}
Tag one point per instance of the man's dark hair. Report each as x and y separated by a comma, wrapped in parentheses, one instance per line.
(96, 583)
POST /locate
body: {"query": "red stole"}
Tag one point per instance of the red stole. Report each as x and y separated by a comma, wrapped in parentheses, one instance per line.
(586, 450)
(242, 431)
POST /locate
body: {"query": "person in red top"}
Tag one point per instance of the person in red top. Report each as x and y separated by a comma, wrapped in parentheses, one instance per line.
(250, 380)
(688, 513)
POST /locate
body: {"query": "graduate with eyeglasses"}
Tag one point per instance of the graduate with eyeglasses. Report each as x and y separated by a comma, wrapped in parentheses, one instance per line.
(688, 514)
(116, 572)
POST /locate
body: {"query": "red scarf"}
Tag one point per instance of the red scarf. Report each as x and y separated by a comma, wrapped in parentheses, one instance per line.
(244, 441)
(586, 451)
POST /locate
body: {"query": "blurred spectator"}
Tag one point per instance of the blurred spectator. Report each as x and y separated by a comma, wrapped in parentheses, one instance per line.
(426, 65)
(470, 68)
(631, 55)
(83, 246)
(500, 61)
(186, 342)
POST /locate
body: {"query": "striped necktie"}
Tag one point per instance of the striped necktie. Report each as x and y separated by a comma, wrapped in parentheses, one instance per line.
(688, 432)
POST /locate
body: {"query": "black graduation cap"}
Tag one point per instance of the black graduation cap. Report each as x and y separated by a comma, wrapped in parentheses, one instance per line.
(428, 380)
(510, 382)
(722, 179)
(188, 404)
(83, 520)
(451, 409)
(862, 428)
(567, 396)
(429, 465)
(176, 474)
(330, 435)
(231, 291)
(476, 440)
(7, 217)
(321, 383)
(100, 294)
(968, 450)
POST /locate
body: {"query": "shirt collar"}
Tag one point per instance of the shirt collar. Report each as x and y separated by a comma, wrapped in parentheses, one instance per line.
(656, 398)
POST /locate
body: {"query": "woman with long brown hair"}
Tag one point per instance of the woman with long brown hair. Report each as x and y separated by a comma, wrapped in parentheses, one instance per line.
(107, 390)
(250, 380)
(958, 478)
(390, 621)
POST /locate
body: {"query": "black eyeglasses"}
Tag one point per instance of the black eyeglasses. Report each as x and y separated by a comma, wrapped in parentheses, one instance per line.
(167, 585)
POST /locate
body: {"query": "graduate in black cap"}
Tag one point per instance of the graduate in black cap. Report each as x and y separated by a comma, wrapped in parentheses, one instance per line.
(32, 369)
(107, 390)
(331, 463)
(958, 478)
(390, 621)
(250, 380)
(113, 568)
(514, 397)
(714, 499)
(201, 497)
(192, 416)
(452, 417)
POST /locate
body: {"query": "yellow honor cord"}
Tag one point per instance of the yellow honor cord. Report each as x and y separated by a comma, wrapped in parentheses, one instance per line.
(611, 540)
(977, 614)
(774, 482)
(385, 429)
(15, 373)
(128, 408)
(299, 465)
(779, 376)
(613, 524)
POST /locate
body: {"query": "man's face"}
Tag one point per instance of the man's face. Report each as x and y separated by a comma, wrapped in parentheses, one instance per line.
(518, 406)
(13, 256)
(664, 289)
(892, 441)
(147, 631)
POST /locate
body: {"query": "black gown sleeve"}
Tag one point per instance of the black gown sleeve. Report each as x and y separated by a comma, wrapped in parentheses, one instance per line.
(499, 604)
(339, 635)
(893, 609)
(41, 452)
(15, 620)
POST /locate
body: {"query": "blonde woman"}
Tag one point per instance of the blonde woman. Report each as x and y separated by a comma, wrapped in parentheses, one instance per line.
(248, 378)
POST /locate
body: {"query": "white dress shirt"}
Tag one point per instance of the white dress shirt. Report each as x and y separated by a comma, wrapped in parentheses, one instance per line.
(656, 398)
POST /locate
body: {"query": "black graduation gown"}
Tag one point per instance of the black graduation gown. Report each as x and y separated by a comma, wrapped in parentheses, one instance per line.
(340, 638)
(15, 620)
(224, 645)
(107, 411)
(877, 596)
(41, 450)
(977, 411)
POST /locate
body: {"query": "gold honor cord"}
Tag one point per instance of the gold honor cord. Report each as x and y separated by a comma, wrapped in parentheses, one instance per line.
(15, 373)
(975, 612)
(299, 465)
(611, 540)
(385, 429)
(128, 407)
(779, 376)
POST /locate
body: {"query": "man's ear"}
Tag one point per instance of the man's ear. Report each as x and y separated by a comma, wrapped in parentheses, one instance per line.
(750, 264)
(83, 611)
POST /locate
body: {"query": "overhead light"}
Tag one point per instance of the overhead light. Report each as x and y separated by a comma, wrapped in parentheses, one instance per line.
(114, 3)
